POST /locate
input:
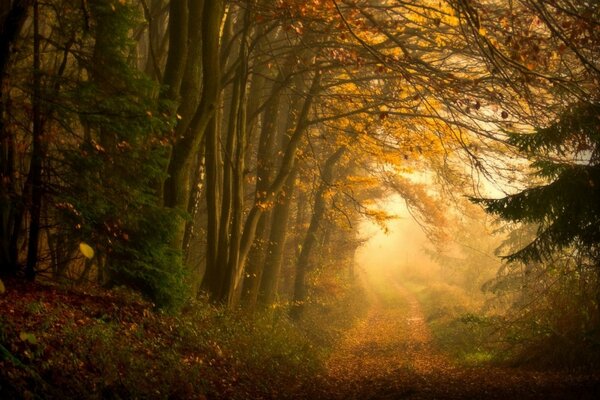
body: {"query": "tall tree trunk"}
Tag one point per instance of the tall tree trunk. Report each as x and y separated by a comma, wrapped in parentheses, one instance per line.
(213, 199)
(289, 159)
(310, 239)
(178, 48)
(273, 128)
(37, 154)
(176, 186)
(190, 90)
(12, 19)
(276, 243)
(264, 168)
(194, 268)
(237, 194)
(218, 292)
(233, 184)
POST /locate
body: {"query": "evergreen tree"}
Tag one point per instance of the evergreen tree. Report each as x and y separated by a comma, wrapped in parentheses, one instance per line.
(566, 209)
(107, 194)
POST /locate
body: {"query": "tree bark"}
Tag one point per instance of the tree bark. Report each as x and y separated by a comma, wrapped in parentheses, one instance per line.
(213, 199)
(176, 187)
(264, 168)
(231, 205)
(13, 17)
(310, 239)
(37, 154)
(266, 165)
(219, 290)
(289, 159)
(178, 48)
(276, 244)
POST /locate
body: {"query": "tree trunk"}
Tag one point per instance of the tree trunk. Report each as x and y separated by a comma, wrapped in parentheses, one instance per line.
(233, 181)
(264, 167)
(218, 292)
(276, 243)
(266, 164)
(12, 19)
(238, 193)
(310, 239)
(176, 186)
(213, 199)
(289, 159)
(37, 155)
(178, 48)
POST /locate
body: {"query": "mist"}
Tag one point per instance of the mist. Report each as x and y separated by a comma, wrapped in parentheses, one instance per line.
(396, 249)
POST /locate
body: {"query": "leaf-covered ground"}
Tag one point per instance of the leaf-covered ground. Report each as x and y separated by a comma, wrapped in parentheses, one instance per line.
(390, 355)
(61, 343)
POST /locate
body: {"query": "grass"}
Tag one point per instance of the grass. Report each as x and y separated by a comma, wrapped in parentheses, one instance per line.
(455, 324)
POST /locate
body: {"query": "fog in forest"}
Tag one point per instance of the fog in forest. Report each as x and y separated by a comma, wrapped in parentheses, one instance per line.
(395, 248)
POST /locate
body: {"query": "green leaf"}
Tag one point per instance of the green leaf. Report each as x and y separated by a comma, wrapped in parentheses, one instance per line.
(28, 337)
(86, 250)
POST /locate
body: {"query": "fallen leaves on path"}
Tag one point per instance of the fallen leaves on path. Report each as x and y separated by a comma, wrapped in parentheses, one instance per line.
(62, 342)
(390, 355)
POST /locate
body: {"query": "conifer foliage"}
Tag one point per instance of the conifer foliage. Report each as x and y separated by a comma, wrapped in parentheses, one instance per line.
(566, 156)
(118, 165)
(105, 148)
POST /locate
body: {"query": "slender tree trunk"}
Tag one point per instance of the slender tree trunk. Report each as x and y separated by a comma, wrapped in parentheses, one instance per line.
(213, 199)
(12, 19)
(289, 159)
(264, 168)
(219, 291)
(190, 92)
(310, 239)
(238, 193)
(233, 184)
(191, 76)
(266, 164)
(37, 154)
(194, 269)
(276, 243)
(178, 48)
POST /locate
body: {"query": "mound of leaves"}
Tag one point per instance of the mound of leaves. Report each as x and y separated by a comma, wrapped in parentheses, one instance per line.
(62, 343)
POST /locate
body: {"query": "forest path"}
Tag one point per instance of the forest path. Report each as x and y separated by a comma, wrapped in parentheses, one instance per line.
(390, 354)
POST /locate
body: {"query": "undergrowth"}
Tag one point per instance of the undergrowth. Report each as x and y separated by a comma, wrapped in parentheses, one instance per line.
(329, 313)
(456, 326)
(555, 336)
(61, 343)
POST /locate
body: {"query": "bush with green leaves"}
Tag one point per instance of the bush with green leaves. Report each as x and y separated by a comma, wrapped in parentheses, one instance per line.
(107, 190)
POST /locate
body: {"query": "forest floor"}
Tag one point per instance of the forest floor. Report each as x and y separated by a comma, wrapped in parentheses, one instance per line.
(390, 354)
(62, 343)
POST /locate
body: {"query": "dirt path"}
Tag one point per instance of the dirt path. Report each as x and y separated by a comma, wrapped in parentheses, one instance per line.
(390, 355)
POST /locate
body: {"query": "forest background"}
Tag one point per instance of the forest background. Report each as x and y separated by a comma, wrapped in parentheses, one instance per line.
(219, 158)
